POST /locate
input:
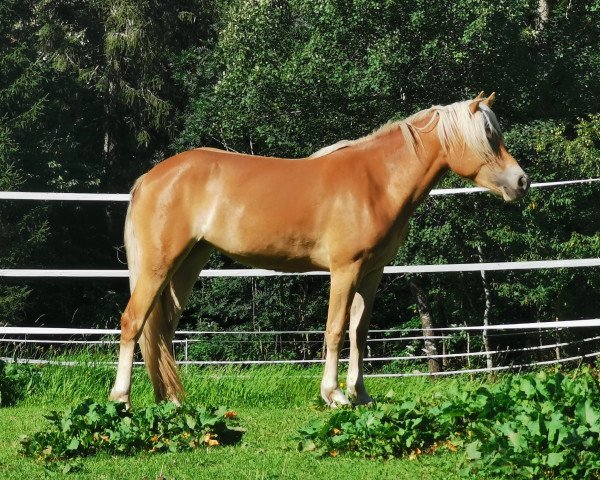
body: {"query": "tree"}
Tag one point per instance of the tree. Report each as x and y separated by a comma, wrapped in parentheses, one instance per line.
(90, 100)
(22, 227)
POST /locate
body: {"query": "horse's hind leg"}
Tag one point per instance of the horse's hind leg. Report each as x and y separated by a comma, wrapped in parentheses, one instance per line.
(141, 304)
(156, 341)
(153, 264)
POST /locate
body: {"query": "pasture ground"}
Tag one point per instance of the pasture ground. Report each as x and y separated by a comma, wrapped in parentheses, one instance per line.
(272, 404)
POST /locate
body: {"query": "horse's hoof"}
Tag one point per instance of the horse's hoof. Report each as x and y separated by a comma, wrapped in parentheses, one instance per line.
(362, 400)
(336, 399)
(120, 398)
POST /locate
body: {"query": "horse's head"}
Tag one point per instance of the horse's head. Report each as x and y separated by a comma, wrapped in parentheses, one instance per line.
(480, 154)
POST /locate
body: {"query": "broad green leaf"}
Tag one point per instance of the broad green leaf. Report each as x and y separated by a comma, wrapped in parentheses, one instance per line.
(66, 424)
(190, 421)
(473, 450)
(528, 387)
(555, 459)
(554, 426)
(586, 413)
(73, 444)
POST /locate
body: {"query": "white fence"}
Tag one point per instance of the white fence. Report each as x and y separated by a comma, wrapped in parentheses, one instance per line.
(186, 338)
(23, 335)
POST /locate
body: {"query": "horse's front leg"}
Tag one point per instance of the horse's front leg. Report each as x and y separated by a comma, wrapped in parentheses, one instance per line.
(360, 319)
(343, 287)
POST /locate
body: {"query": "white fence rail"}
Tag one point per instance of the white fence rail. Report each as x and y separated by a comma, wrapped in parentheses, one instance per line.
(15, 332)
(125, 197)
(557, 325)
(247, 272)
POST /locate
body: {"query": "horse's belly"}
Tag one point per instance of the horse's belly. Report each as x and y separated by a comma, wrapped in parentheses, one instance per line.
(279, 262)
(283, 239)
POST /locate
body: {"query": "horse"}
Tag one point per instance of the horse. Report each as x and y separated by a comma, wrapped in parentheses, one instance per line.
(345, 209)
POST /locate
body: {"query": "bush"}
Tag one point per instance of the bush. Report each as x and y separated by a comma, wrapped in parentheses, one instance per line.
(16, 382)
(542, 425)
(90, 427)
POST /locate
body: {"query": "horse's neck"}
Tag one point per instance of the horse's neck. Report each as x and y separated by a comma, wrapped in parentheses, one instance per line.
(409, 177)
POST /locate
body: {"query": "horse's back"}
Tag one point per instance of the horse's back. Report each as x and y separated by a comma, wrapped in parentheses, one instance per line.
(270, 212)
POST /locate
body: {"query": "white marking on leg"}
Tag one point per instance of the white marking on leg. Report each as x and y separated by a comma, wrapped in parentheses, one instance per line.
(330, 390)
(356, 389)
(122, 387)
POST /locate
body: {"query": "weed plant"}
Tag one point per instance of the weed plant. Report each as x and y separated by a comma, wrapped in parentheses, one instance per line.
(537, 425)
(91, 427)
(16, 382)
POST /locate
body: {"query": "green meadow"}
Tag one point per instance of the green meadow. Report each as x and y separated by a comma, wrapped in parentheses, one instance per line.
(272, 405)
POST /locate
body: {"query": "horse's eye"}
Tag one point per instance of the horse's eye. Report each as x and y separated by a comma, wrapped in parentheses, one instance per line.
(488, 132)
(493, 138)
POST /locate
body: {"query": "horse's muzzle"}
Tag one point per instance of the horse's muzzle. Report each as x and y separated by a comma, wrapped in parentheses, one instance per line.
(513, 182)
(523, 184)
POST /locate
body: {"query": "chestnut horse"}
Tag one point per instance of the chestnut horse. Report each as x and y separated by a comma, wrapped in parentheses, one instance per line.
(344, 210)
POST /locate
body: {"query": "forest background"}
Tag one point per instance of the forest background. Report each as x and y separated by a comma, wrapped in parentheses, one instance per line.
(93, 93)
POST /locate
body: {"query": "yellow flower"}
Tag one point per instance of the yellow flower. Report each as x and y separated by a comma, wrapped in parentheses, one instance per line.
(414, 454)
(210, 441)
(451, 446)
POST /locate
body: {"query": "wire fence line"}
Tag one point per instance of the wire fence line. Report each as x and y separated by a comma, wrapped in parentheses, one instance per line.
(367, 359)
(547, 327)
(576, 358)
(445, 333)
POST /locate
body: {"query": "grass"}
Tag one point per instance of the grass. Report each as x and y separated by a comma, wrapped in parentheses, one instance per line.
(272, 404)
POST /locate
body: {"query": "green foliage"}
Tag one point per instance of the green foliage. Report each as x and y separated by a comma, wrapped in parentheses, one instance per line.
(542, 425)
(87, 100)
(258, 305)
(538, 426)
(287, 77)
(389, 430)
(89, 428)
(16, 382)
(23, 228)
(266, 452)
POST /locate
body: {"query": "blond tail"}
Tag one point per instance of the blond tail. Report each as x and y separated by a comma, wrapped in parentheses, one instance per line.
(157, 334)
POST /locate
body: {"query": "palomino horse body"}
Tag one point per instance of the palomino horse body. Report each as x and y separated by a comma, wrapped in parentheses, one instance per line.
(344, 210)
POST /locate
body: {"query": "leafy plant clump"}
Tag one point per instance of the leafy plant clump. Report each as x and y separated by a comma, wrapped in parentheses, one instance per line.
(386, 429)
(16, 382)
(91, 427)
(542, 425)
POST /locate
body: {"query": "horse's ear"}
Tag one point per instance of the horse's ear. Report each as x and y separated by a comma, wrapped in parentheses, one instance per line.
(481, 96)
(489, 101)
(474, 105)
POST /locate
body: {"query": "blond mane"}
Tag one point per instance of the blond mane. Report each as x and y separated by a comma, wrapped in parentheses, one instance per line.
(457, 127)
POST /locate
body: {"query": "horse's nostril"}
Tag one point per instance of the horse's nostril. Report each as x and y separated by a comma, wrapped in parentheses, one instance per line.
(524, 183)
